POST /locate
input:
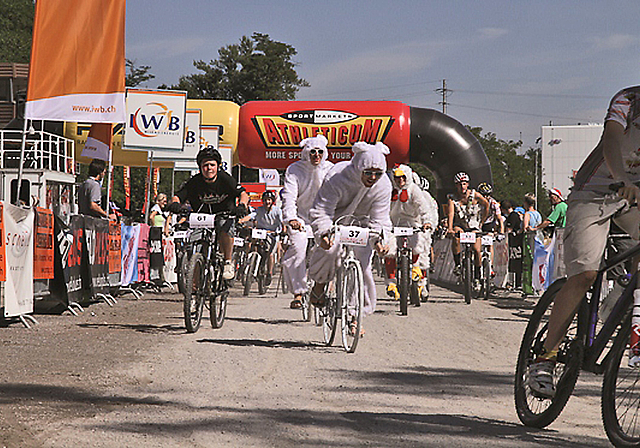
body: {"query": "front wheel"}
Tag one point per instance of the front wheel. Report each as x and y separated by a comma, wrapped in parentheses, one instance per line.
(252, 261)
(352, 298)
(404, 279)
(329, 314)
(194, 294)
(486, 278)
(621, 394)
(534, 410)
(218, 297)
(306, 307)
(468, 278)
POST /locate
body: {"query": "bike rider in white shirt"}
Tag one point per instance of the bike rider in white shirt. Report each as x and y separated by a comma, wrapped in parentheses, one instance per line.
(301, 183)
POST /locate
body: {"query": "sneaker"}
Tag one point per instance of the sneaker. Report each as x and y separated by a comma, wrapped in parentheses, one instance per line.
(392, 291)
(228, 272)
(424, 292)
(540, 379)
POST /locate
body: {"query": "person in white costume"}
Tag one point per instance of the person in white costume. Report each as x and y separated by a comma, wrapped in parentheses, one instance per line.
(410, 207)
(360, 188)
(301, 183)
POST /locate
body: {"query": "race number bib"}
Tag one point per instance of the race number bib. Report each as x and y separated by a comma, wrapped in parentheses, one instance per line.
(238, 242)
(403, 231)
(201, 220)
(468, 237)
(353, 236)
(487, 240)
(258, 234)
(181, 235)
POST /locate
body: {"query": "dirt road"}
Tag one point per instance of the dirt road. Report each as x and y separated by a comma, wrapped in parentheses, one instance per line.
(130, 376)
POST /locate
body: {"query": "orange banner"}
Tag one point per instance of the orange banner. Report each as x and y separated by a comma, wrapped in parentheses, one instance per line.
(3, 257)
(43, 247)
(115, 254)
(126, 174)
(77, 67)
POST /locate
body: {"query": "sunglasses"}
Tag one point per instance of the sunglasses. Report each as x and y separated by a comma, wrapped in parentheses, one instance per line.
(372, 173)
(313, 152)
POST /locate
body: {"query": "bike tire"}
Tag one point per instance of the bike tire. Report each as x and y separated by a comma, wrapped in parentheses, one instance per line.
(352, 302)
(486, 278)
(306, 307)
(414, 294)
(621, 393)
(329, 315)
(540, 412)
(404, 279)
(262, 277)
(194, 295)
(218, 297)
(468, 279)
(183, 269)
(248, 274)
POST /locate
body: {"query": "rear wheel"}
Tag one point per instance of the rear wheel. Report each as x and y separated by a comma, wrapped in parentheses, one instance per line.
(248, 273)
(621, 394)
(534, 410)
(194, 294)
(404, 278)
(329, 314)
(352, 298)
(183, 270)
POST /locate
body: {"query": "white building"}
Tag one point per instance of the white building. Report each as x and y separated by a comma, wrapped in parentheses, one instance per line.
(564, 148)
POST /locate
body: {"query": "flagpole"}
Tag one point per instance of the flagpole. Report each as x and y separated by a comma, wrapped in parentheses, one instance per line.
(109, 175)
(149, 180)
(20, 169)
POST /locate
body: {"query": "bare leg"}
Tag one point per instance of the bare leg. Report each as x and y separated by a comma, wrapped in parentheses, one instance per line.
(226, 244)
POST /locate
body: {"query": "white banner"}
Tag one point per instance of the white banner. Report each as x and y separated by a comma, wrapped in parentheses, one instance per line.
(156, 119)
(227, 157)
(269, 176)
(18, 289)
(191, 140)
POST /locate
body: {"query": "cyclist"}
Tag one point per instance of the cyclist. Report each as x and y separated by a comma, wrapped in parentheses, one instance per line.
(358, 187)
(267, 217)
(467, 211)
(302, 181)
(212, 191)
(410, 207)
(494, 222)
(591, 208)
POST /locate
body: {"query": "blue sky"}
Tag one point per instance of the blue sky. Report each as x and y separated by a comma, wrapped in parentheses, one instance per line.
(512, 66)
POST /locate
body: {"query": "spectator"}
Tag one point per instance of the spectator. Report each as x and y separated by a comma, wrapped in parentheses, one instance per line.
(89, 196)
(558, 216)
(158, 216)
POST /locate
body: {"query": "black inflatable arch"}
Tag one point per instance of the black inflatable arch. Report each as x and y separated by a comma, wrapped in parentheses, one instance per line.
(446, 147)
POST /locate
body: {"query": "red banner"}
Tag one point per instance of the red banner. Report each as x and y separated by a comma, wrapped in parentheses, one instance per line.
(270, 131)
(255, 190)
(43, 247)
(115, 253)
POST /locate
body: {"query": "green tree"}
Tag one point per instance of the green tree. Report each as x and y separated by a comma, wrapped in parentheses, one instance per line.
(16, 27)
(137, 75)
(257, 68)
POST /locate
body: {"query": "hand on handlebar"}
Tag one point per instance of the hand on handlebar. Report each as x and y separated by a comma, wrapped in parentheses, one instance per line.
(326, 242)
(631, 193)
(382, 249)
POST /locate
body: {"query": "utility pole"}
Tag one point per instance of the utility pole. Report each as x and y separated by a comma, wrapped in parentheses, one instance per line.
(445, 93)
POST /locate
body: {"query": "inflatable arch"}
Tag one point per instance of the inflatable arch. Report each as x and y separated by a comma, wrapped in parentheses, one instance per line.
(269, 133)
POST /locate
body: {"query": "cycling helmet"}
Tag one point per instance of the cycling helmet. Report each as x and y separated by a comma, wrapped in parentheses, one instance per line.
(485, 189)
(208, 153)
(461, 177)
(269, 195)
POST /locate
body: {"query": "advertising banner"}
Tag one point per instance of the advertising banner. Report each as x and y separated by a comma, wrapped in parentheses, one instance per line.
(156, 258)
(43, 252)
(18, 288)
(96, 238)
(169, 252)
(73, 267)
(77, 68)
(255, 190)
(155, 119)
(270, 177)
(115, 251)
(62, 249)
(98, 144)
(130, 236)
(191, 140)
(270, 131)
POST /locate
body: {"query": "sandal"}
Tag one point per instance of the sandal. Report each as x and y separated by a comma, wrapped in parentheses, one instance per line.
(295, 304)
(352, 329)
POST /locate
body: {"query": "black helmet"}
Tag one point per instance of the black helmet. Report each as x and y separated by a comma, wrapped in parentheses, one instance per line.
(208, 153)
(268, 194)
(485, 189)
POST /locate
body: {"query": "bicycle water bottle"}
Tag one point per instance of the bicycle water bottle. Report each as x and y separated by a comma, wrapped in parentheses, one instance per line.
(634, 339)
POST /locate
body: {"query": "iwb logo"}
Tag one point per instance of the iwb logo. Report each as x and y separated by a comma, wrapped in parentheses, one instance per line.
(154, 119)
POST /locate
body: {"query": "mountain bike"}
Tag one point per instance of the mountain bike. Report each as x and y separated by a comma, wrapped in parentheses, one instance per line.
(262, 242)
(407, 282)
(467, 264)
(590, 345)
(204, 282)
(486, 278)
(344, 296)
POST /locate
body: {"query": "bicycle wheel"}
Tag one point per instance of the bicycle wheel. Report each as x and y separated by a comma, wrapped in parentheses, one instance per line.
(248, 274)
(218, 297)
(194, 294)
(183, 270)
(352, 301)
(468, 278)
(404, 278)
(261, 277)
(621, 394)
(306, 307)
(486, 278)
(329, 314)
(534, 410)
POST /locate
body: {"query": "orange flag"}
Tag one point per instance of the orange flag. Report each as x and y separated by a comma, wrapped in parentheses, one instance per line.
(99, 141)
(77, 65)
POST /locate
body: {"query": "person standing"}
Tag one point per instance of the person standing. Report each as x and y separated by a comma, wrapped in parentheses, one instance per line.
(90, 194)
(558, 216)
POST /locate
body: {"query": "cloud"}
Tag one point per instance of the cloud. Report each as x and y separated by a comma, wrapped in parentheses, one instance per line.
(492, 33)
(165, 48)
(614, 42)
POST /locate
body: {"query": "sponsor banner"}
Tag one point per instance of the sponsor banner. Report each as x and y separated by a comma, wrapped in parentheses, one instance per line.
(43, 250)
(73, 268)
(255, 190)
(155, 119)
(191, 140)
(63, 243)
(3, 254)
(156, 258)
(130, 236)
(96, 248)
(67, 82)
(169, 252)
(270, 131)
(126, 181)
(270, 177)
(18, 288)
(98, 144)
(115, 252)
(227, 157)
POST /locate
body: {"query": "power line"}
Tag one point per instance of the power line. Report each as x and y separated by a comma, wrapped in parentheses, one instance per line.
(542, 95)
(373, 89)
(520, 113)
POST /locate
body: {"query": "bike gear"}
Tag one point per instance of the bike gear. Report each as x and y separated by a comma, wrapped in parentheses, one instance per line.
(485, 189)
(208, 153)
(461, 177)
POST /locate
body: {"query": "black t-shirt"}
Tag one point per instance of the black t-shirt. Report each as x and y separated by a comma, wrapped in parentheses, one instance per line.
(513, 222)
(213, 197)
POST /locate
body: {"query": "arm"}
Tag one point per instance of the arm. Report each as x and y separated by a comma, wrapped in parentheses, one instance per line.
(98, 210)
(612, 142)
(485, 206)
(450, 212)
(526, 222)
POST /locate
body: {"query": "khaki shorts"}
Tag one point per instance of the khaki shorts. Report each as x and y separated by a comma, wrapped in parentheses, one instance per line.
(588, 222)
